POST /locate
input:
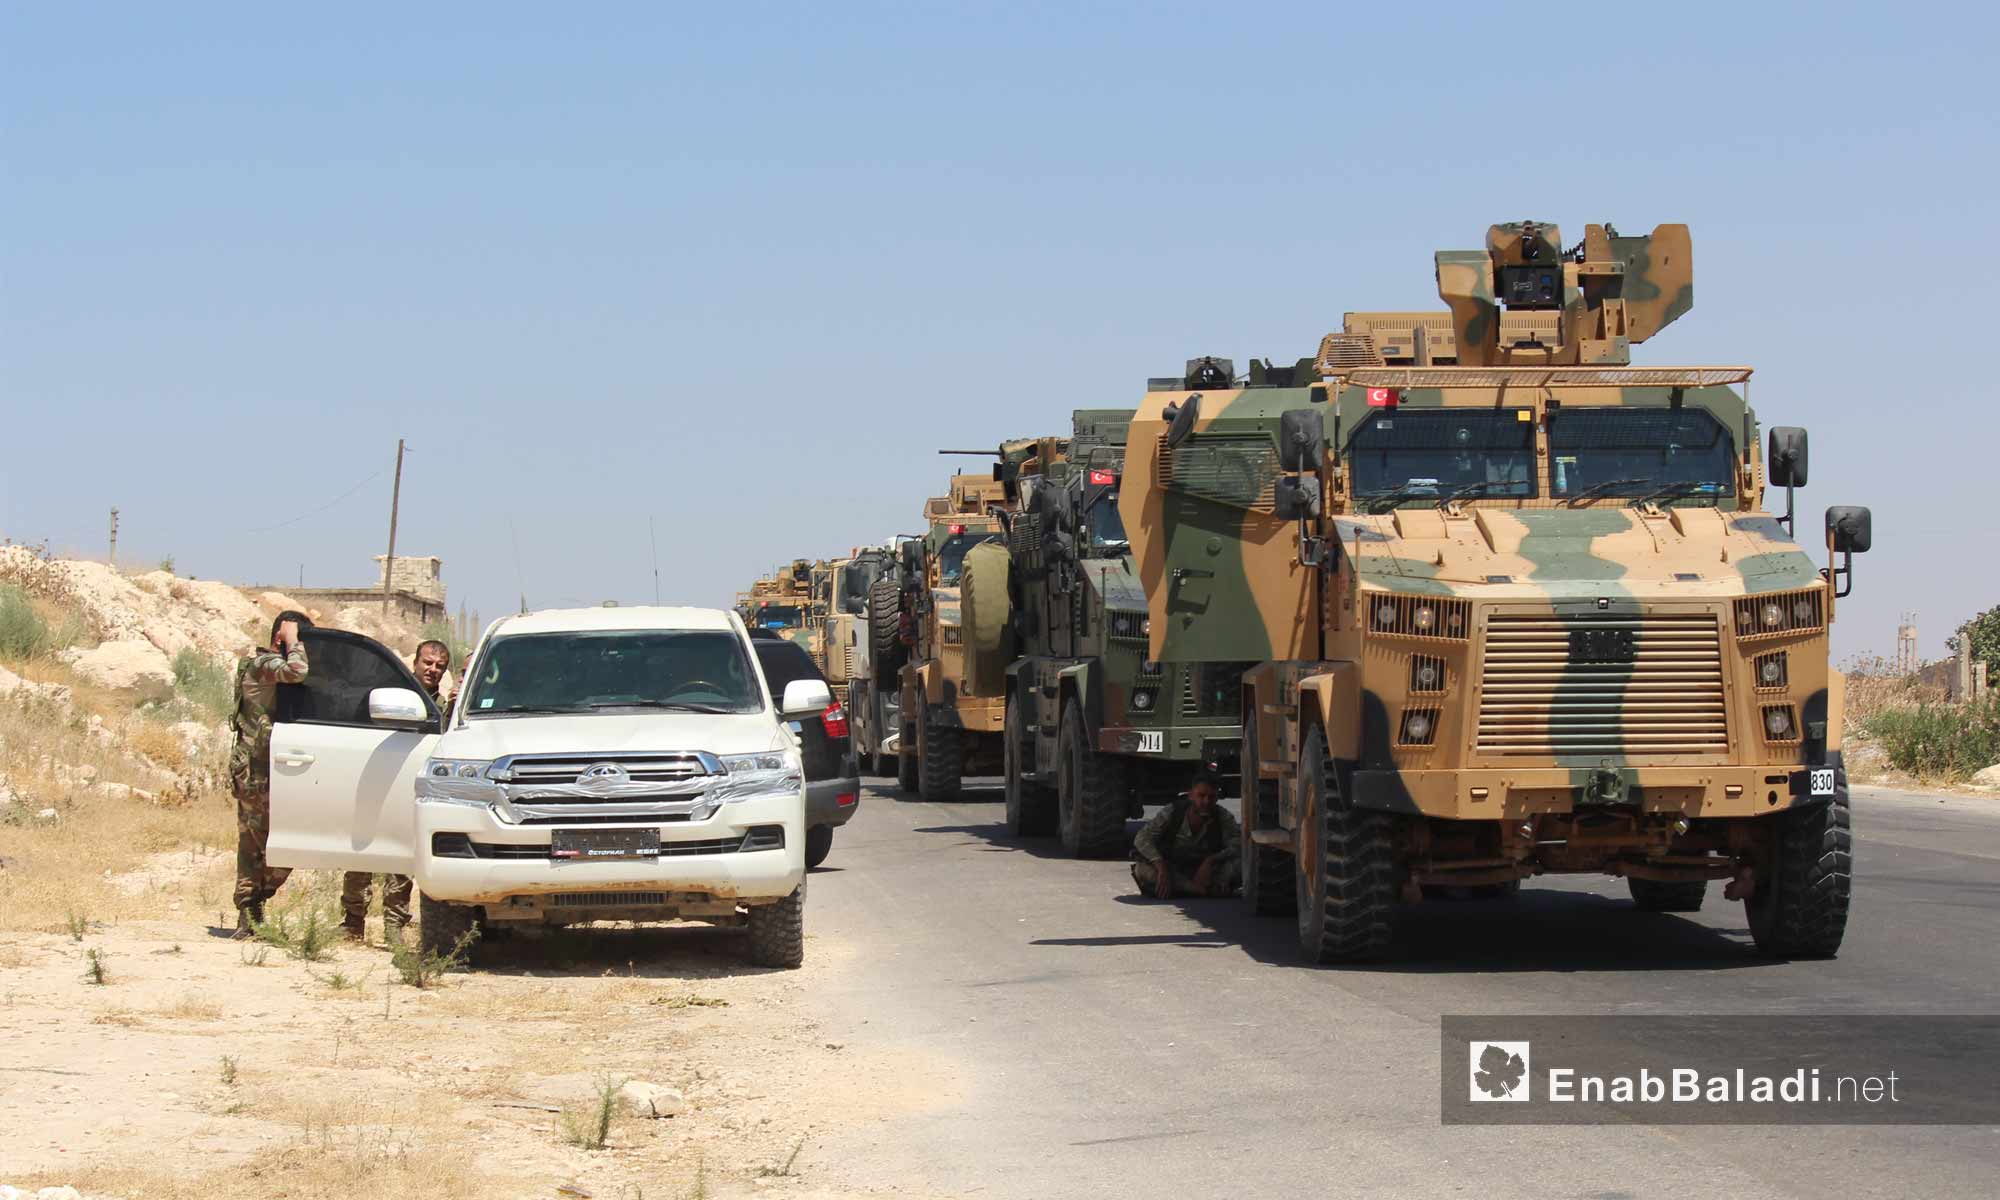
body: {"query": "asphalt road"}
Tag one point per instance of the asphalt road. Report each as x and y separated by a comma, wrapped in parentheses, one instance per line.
(1107, 1045)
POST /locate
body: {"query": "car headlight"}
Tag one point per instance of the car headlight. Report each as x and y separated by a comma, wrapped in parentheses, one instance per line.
(457, 781)
(767, 773)
(769, 760)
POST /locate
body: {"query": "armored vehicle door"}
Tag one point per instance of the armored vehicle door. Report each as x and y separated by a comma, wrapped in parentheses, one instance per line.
(1220, 568)
(346, 749)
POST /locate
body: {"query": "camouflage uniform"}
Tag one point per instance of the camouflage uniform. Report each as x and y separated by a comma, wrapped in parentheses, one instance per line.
(257, 680)
(396, 889)
(1170, 841)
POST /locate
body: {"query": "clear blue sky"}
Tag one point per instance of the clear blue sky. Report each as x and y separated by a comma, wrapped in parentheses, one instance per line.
(745, 273)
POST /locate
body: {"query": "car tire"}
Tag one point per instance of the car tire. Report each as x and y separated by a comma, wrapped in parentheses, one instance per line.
(939, 771)
(819, 843)
(1030, 805)
(442, 925)
(1653, 895)
(778, 931)
(1268, 888)
(1091, 799)
(1345, 870)
(1800, 909)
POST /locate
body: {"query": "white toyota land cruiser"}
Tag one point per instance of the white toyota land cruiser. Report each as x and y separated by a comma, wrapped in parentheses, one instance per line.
(602, 764)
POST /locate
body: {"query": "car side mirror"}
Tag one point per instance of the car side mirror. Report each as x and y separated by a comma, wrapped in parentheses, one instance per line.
(1850, 530)
(397, 706)
(1301, 440)
(805, 698)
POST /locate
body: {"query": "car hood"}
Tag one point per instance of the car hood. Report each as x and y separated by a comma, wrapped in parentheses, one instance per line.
(614, 733)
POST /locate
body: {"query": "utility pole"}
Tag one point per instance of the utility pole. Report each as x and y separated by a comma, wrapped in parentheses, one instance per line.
(112, 558)
(395, 502)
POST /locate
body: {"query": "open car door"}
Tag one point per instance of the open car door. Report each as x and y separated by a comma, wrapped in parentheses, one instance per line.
(343, 784)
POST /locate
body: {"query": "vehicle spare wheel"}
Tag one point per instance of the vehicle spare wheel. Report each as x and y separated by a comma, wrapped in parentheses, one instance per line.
(988, 623)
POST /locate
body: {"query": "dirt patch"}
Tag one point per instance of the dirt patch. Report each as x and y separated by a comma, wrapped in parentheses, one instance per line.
(203, 1067)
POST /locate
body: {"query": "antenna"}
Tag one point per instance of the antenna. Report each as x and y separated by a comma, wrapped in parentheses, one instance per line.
(514, 536)
(655, 540)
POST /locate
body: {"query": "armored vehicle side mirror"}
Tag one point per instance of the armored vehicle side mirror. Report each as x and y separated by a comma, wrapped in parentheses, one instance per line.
(1301, 440)
(1296, 497)
(1787, 460)
(1183, 416)
(1786, 466)
(1850, 530)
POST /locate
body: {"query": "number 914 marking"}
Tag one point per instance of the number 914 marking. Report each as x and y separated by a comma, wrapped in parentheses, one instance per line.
(1821, 781)
(1152, 742)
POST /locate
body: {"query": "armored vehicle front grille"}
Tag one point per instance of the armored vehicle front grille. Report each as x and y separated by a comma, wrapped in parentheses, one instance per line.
(1212, 690)
(1778, 614)
(1603, 685)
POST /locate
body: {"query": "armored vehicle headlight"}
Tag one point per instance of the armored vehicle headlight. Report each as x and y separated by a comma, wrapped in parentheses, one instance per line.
(1802, 611)
(1385, 614)
(1427, 676)
(1426, 617)
(1774, 616)
(1772, 671)
(1143, 699)
(1778, 721)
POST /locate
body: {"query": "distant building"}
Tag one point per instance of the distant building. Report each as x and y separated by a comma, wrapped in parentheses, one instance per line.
(416, 591)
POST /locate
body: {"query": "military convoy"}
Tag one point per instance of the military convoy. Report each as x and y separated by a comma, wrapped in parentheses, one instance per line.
(1463, 599)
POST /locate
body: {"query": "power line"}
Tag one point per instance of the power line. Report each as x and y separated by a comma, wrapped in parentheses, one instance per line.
(322, 508)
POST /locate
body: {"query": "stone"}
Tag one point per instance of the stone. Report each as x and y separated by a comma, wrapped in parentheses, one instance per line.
(650, 1100)
(135, 666)
(59, 1193)
(9, 682)
(48, 814)
(1987, 778)
(114, 791)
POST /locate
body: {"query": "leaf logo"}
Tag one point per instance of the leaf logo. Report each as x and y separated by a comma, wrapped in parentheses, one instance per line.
(1499, 1071)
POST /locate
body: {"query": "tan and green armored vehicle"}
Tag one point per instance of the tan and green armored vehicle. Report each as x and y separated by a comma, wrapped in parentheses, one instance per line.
(782, 601)
(953, 685)
(845, 646)
(1526, 608)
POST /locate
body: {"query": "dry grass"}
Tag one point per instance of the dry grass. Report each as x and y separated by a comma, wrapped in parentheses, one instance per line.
(188, 1007)
(158, 744)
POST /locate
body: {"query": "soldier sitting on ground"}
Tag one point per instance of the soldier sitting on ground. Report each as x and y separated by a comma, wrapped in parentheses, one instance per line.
(1192, 847)
(257, 680)
(432, 661)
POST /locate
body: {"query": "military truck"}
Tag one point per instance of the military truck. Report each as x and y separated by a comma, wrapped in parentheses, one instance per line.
(951, 703)
(848, 652)
(1096, 728)
(1526, 608)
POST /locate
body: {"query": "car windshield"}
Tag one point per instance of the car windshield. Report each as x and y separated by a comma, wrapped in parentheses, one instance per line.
(778, 616)
(1105, 526)
(951, 555)
(1424, 454)
(1666, 453)
(704, 670)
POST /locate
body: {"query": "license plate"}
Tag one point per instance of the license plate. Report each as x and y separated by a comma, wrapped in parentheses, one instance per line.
(598, 845)
(1821, 781)
(1154, 742)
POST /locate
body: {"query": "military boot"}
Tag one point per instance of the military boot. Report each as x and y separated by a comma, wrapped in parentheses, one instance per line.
(356, 928)
(247, 919)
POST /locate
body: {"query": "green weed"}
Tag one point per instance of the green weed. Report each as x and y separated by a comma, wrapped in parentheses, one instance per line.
(1940, 741)
(590, 1127)
(228, 1071)
(93, 967)
(423, 968)
(203, 682)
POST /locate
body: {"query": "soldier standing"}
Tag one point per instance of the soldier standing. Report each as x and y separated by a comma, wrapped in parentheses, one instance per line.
(432, 661)
(257, 680)
(1192, 847)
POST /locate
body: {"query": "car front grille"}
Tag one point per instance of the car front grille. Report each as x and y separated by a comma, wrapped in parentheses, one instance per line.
(1611, 685)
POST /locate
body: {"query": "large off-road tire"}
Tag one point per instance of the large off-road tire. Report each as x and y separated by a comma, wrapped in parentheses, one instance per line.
(819, 843)
(939, 762)
(1268, 887)
(1031, 806)
(1346, 864)
(440, 926)
(1653, 895)
(1090, 793)
(1800, 909)
(988, 618)
(885, 607)
(778, 931)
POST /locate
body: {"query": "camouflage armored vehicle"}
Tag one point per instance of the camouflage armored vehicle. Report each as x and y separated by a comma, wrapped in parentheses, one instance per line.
(848, 652)
(952, 702)
(782, 601)
(1526, 609)
(1096, 727)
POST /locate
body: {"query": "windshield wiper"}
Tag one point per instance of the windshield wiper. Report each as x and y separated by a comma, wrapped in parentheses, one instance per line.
(1396, 496)
(1673, 491)
(524, 708)
(1598, 489)
(676, 705)
(1479, 488)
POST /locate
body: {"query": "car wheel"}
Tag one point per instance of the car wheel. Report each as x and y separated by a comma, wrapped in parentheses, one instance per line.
(819, 843)
(778, 931)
